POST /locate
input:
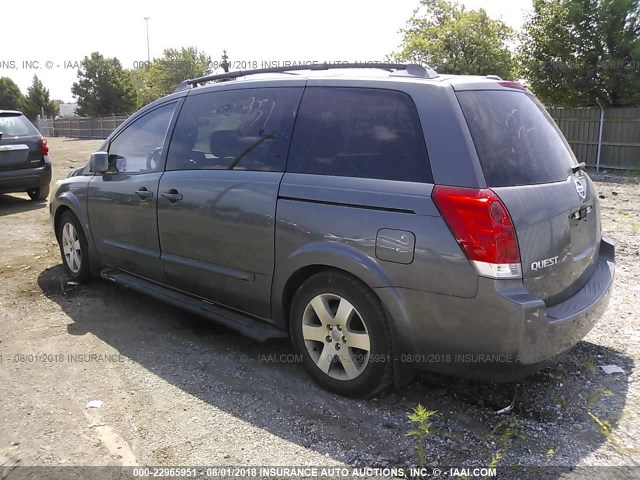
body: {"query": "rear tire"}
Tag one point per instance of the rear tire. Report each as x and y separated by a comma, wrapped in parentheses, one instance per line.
(73, 248)
(41, 193)
(340, 329)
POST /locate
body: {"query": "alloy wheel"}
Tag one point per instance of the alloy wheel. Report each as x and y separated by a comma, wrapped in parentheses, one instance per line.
(71, 247)
(336, 336)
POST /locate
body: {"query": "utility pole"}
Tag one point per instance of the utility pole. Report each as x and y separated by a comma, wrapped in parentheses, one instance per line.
(225, 61)
(599, 135)
(146, 19)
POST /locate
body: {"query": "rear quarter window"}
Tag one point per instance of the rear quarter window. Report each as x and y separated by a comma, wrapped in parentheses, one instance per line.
(16, 126)
(518, 143)
(359, 132)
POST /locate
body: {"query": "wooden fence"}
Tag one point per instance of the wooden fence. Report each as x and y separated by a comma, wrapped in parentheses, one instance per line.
(620, 135)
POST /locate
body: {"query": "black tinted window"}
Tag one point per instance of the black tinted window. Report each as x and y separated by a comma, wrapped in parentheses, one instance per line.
(138, 149)
(359, 132)
(246, 129)
(12, 125)
(517, 141)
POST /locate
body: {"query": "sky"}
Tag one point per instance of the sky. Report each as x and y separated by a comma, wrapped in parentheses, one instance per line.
(51, 38)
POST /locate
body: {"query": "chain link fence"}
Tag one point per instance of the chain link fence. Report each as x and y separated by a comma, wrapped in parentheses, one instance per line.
(97, 127)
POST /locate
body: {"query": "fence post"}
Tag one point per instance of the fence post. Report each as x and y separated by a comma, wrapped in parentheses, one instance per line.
(599, 136)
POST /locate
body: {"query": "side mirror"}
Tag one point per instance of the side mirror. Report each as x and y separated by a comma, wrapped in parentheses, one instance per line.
(99, 162)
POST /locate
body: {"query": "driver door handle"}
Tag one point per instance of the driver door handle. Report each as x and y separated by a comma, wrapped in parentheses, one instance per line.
(172, 195)
(144, 193)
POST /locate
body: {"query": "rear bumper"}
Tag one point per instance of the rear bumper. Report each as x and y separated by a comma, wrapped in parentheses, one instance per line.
(502, 334)
(25, 179)
(568, 322)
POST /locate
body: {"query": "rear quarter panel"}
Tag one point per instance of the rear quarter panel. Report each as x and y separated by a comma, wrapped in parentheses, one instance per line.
(335, 221)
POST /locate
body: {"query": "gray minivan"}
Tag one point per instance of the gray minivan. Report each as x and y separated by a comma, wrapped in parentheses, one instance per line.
(385, 218)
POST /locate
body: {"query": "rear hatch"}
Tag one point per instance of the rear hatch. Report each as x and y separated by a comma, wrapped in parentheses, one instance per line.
(527, 162)
(20, 145)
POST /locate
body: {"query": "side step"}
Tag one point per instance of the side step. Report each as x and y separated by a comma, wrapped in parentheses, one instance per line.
(246, 325)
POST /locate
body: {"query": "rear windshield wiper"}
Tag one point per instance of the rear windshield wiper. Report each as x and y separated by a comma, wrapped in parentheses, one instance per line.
(578, 167)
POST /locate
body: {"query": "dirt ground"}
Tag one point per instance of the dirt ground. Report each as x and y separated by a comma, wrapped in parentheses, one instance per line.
(179, 391)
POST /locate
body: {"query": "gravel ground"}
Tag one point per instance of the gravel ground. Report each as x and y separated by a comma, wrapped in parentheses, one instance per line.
(179, 391)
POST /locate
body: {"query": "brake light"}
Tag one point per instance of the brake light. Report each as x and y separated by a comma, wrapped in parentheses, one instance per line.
(43, 146)
(510, 84)
(482, 226)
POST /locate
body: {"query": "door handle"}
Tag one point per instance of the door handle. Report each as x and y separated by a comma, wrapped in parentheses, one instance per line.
(172, 195)
(144, 193)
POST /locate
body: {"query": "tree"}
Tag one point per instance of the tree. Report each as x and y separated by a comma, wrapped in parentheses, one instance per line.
(140, 80)
(451, 39)
(164, 74)
(104, 87)
(573, 52)
(11, 97)
(38, 99)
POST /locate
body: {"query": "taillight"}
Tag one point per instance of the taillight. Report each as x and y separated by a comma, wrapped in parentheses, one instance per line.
(43, 146)
(482, 226)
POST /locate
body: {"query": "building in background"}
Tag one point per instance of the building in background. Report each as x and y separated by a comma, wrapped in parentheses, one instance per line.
(68, 110)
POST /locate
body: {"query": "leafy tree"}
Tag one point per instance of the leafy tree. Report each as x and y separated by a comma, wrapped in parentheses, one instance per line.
(11, 97)
(451, 39)
(573, 52)
(38, 99)
(163, 74)
(104, 87)
(141, 83)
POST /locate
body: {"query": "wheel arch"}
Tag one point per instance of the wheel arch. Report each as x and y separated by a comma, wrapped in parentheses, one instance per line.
(301, 275)
(58, 215)
(315, 257)
(70, 203)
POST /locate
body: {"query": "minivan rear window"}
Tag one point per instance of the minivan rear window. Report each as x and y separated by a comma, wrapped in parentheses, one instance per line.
(518, 143)
(12, 125)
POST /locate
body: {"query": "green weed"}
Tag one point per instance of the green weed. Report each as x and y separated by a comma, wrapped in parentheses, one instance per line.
(421, 418)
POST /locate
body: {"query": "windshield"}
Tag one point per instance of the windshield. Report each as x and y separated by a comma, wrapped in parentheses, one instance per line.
(518, 143)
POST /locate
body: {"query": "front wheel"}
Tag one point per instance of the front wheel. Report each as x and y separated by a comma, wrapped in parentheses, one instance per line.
(339, 327)
(73, 248)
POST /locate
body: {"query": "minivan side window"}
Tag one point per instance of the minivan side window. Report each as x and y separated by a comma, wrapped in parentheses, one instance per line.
(359, 132)
(138, 148)
(244, 129)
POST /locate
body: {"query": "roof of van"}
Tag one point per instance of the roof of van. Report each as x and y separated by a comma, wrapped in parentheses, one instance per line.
(356, 72)
(369, 73)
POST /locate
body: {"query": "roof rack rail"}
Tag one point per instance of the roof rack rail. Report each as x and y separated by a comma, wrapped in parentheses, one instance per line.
(411, 70)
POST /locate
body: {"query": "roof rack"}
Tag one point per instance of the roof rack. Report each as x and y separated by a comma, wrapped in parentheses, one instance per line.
(408, 70)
